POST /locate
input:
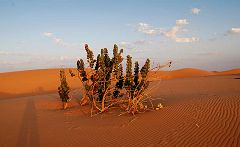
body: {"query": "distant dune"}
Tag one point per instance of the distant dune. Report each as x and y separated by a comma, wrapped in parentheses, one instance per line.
(182, 73)
(42, 81)
(32, 82)
(228, 72)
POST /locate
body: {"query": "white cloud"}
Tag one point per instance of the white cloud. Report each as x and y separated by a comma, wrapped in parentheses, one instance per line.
(61, 42)
(169, 33)
(142, 42)
(48, 34)
(195, 10)
(33, 56)
(209, 53)
(148, 29)
(124, 44)
(182, 22)
(135, 46)
(7, 53)
(172, 33)
(186, 40)
(34, 61)
(234, 30)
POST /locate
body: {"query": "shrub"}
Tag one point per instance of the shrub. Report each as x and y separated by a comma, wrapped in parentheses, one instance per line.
(104, 84)
(63, 89)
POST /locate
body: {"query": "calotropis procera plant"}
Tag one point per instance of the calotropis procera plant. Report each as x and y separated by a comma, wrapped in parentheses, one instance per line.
(105, 85)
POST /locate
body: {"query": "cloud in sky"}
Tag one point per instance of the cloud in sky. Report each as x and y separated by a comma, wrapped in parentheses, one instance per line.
(234, 31)
(148, 29)
(61, 42)
(48, 34)
(182, 22)
(33, 61)
(195, 10)
(169, 33)
(172, 33)
(134, 44)
(126, 45)
(142, 42)
(8, 53)
(215, 53)
(36, 57)
(186, 40)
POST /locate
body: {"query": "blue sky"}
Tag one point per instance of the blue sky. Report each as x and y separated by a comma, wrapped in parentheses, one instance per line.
(51, 33)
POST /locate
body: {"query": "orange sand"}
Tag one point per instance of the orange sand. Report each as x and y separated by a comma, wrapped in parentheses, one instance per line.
(199, 110)
(32, 82)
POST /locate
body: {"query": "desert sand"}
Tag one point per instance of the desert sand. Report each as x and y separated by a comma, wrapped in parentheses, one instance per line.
(201, 108)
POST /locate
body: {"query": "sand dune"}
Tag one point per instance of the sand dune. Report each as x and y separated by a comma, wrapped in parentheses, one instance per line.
(228, 72)
(200, 111)
(182, 73)
(33, 82)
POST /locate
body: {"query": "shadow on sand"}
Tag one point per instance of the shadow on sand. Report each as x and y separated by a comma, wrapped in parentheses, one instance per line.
(28, 134)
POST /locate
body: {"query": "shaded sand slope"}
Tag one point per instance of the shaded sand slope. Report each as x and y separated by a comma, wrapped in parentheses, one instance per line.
(198, 112)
